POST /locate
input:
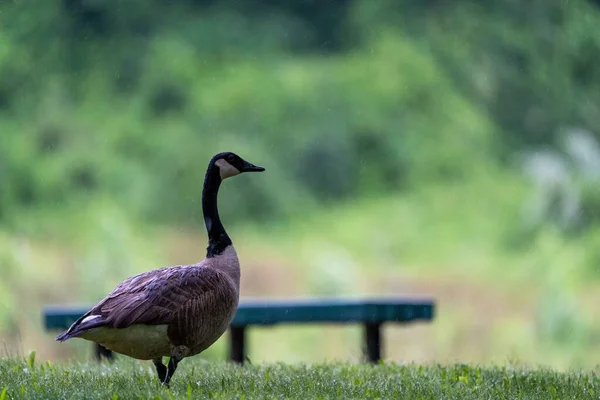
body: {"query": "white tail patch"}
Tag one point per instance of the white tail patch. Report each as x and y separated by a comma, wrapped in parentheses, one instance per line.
(89, 318)
(225, 169)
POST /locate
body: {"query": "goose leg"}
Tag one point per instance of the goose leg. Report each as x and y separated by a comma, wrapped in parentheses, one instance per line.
(161, 370)
(171, 369)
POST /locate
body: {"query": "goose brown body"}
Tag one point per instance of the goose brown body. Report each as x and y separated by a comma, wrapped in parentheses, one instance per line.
(175, 311)
(180, 309)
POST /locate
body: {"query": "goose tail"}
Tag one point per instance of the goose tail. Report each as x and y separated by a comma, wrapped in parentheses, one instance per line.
(81, 325)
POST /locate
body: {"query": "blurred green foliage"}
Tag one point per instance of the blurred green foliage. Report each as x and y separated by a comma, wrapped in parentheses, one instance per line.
(462, 136)
(128, 100)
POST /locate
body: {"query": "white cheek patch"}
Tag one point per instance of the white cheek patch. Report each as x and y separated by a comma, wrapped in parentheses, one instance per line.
(225, 169)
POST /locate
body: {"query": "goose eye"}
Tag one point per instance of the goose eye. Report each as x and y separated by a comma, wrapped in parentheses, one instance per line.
(230, 158)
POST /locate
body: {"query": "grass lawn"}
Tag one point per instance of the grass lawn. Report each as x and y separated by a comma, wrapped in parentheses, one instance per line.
(128, 379)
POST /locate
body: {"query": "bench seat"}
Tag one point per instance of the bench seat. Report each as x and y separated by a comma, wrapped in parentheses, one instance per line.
(372, 313)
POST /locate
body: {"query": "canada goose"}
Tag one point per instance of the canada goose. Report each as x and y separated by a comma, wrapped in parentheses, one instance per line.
(176, 311)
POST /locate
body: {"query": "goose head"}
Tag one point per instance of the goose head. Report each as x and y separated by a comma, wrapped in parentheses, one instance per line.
(230, 164)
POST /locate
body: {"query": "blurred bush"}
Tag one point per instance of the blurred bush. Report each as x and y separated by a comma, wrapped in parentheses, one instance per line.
(128, 100)
(435, 120)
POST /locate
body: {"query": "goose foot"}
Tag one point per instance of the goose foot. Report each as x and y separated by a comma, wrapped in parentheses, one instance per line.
(170, 370)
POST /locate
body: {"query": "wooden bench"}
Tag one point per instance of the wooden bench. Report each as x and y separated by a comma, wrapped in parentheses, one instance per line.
(371, 313)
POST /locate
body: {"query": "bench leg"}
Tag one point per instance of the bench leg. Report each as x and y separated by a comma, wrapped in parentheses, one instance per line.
(101, 351)
(373, 342)
(237, 352)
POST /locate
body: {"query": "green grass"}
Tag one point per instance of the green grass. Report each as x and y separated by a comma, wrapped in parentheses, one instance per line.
(21, 378)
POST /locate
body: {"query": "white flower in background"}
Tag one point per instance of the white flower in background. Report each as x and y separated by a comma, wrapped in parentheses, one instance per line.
(559, 178)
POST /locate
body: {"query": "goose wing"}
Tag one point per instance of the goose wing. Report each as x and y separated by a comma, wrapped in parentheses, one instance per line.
(151, 298)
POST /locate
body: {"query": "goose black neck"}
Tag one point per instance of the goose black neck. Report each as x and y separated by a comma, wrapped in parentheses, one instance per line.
(218, 239)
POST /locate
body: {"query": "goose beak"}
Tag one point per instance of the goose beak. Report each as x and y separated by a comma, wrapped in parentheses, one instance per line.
(252, 168)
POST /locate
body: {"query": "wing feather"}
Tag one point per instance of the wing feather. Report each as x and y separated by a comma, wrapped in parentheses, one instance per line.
(151, 298)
